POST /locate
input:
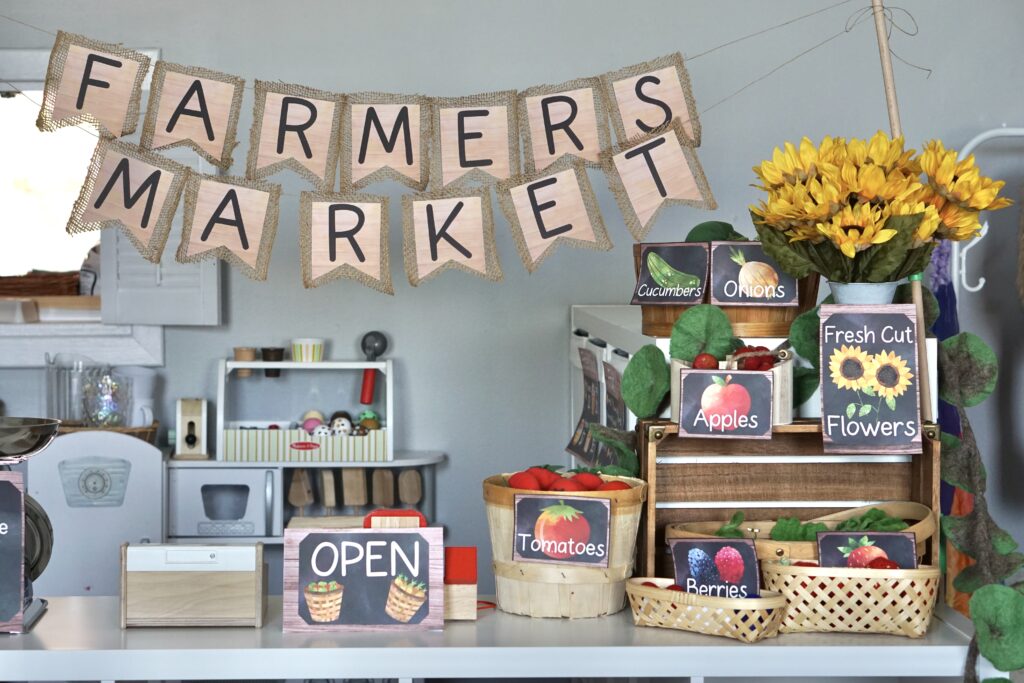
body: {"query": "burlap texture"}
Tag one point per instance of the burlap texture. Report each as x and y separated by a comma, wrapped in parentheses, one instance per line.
(505, 98)
(348, 145)
(600, 111)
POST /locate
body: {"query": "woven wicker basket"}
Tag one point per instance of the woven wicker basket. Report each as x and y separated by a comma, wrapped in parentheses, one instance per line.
(921, 519)
(746, 619)
(324, 608)
(839, 599)
(147, 434)
(401, 605)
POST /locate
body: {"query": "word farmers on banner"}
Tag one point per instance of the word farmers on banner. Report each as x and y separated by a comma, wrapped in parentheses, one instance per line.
(231, 219)
(563, 119)
(132, 188)
(189, 105)
(477, 138)
(654, 171)
(345, 236)
(449, 229)
(386, 137)
(556, 205)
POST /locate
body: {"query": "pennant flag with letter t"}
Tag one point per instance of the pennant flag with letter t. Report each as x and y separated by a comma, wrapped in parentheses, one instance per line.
(192, 106)
(650, 172)
(134, 189)
(644, 97)
(556, 205)
(449, 229)
(569, 118)
(92, 82)
(345, 236)
(385, 137)
(232, 219)
(475, 139)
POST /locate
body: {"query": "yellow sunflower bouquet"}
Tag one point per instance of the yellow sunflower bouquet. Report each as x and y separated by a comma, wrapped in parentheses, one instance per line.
(867, 211)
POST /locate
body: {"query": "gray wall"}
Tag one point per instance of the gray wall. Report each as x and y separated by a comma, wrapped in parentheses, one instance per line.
(482, 370)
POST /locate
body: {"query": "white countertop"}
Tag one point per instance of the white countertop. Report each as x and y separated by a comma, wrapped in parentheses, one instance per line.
(80, 638)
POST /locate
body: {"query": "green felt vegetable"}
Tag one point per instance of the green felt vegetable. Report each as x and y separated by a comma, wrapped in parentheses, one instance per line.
(701, 329)
(905, 295)
(792, 529)
(874, 519)
(622, 445)
(998, 615)
(667, 276)
(714, 231)
(968, 370)
(645, 381)
(731, 529)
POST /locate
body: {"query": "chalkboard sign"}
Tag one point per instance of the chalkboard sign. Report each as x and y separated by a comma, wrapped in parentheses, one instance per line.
(363, 579)
(672, 273)
(734, 404)
(743, 275)
(869, 390)
(716, 568)
(858, 549)
(561, 530)
(12, 552)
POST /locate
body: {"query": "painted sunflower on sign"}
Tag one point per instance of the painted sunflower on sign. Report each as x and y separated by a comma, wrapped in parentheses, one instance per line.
(888, 376)
(849, 367)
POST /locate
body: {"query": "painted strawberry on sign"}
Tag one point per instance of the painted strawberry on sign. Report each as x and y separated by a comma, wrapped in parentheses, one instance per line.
(560, 528)
(859, 553)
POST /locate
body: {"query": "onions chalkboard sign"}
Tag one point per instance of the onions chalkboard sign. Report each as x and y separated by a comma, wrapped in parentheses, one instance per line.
(12, 552)
(869, 391)
(363, 579)
(743, 275)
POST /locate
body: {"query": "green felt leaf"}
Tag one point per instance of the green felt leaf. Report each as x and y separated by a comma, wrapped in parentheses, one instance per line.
(974, 532)
(805, 335)
(998, 615)
(968, 370)
(731, 529)
(805, 383)
(905, 295)
(1001, 679)
(622, 444)
(645, 381)
(789, 258)
(701, 329)
(962, 465)
(882, 262)
(714, 231)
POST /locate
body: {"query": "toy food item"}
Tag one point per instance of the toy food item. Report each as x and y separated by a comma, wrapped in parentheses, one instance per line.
(369, 419)
(614, 486)
(667, 276)
(341, 423)
(587, 480)
(322, 430)
(882, 563)
(755, 358)
(311, 423)
(323, 599)
(313, 413)
(405, 598)
(524, 480)
(545, 476)
(563, 484)
(705, 361)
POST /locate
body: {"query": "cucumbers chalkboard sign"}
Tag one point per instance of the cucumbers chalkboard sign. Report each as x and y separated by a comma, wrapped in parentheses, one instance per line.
(869, 391)
(671, 273)
(743, 275)
(12, 552)
(363, 579)
(561, 530)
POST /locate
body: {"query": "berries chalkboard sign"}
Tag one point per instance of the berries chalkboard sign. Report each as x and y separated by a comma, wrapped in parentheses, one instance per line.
(716, 568)
(869, 390)
(561, 530)
(12, 552)
(743, 275)
(672, 273)
(363, 579)
(734, 404)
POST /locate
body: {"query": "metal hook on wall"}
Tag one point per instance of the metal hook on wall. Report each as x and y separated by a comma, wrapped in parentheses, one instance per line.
(963, 261)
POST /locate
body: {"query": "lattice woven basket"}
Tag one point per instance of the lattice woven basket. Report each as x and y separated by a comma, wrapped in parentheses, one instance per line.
(746, 619)
(839, 599)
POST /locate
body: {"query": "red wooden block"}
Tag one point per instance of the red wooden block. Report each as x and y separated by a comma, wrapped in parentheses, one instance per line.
(460, 565)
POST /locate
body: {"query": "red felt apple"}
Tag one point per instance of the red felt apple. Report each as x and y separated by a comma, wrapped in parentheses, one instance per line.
(726, 401)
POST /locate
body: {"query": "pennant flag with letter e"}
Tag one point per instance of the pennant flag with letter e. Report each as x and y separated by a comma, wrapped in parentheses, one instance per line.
(193, 106)
(556, 120)
(92, 82)
(653, 171)
(298, 128)
(475, 139)
(386, 137)
(232, 219)
(344, 236)
(556, 205)
(131, 188)
(644, 97)
(449, 229)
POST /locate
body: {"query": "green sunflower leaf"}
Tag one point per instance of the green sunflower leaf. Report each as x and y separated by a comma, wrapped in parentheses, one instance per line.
(701, 329)
(868, 391)
(968, 369)
(883, 261)
(850, 410)
(864, 410)
(622, 446)
(891, 402)
(998, 615)
(786, 254)
(645, 381)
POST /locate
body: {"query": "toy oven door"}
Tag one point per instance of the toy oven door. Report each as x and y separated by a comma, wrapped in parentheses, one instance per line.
(209, 502)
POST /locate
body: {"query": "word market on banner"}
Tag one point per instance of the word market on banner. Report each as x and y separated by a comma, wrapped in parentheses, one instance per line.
(435, 146)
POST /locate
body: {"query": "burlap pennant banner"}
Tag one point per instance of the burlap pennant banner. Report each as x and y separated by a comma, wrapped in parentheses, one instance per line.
(553, 206)
(647, 96)
(653, 171)
(297, 128)
(88, 81)
(133, 189)
(232, 219)
(569, 118)
(386, 137)
(195, 107)
(449, 229)
(476, 138)
(344, 236)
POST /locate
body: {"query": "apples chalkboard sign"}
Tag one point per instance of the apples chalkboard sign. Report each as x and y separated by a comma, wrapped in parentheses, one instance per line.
(363, 579)
(869, 391)
(743, 275)
(672, 273)
(561, 530)
(12, 551)
(730, 404)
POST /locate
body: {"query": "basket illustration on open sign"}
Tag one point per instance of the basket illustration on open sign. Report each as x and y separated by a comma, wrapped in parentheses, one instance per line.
(405, 598)
(323, 598)
(875, 379)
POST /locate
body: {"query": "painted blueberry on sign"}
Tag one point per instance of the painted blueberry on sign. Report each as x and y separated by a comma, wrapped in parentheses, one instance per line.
(671, 273)
(743, 275)
(725, 403)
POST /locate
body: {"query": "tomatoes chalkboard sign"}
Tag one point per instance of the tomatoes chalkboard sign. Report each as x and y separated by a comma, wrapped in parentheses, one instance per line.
(672, 273)
(733, 404)
(743, 275)
(12, 524)
(869, 390)
(562, 530)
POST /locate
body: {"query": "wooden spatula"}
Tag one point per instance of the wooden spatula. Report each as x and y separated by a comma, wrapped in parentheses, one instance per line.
(327, 493)
(410, 487)
(300, 493)
(383, 488)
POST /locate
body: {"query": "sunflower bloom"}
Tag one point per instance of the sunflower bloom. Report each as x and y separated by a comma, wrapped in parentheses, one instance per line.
(855, 229)
(848, 367)
(959, 180)
(888, 375)
(929, 220)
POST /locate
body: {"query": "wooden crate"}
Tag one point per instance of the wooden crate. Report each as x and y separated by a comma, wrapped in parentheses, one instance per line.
(696, 480)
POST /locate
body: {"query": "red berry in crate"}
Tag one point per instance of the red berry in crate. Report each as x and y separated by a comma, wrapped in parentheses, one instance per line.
(524, 480)
(564, 484)
(649, 584)
(587, 480)
(805, 563)
(705, 361)
(614, 486)
(766, 364)
(676, 587)
(750, 363)
(882, 563)
(730, 564)
(545, 476)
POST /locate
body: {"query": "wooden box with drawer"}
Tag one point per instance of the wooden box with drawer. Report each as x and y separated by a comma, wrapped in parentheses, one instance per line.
(697, 480)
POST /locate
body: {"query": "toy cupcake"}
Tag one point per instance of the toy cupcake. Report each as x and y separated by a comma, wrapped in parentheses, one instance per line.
(323, 598)
(405, 598)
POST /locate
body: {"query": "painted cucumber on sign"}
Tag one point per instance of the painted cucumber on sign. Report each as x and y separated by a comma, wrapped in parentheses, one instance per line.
(561, 530)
